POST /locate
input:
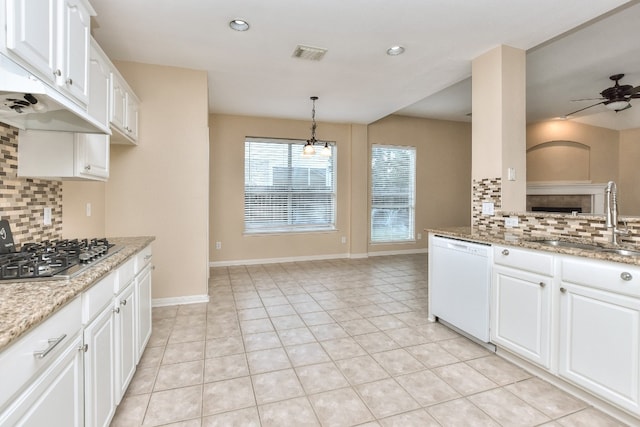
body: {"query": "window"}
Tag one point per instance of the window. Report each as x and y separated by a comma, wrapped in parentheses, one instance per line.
(285, 192)
(393, 183)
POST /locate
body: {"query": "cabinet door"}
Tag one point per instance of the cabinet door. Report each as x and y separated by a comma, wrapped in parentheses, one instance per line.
(76, 24)
(99, 85)
(600, 343)
(99, 369)
(125, 340)
(31, 27)
(131, 125)
(118, 103)
(143, 288)
(92, 155)
(521, 313)
(56, 397)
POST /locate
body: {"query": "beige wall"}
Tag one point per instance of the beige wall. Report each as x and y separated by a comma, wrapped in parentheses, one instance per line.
(75, 222)
(159, 187)
(602, 143)
(629, 172)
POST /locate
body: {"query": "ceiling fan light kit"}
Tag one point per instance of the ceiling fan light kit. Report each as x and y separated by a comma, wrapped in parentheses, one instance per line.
(616, 98)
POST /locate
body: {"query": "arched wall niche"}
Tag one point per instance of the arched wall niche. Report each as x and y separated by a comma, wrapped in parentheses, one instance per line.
(559, 161)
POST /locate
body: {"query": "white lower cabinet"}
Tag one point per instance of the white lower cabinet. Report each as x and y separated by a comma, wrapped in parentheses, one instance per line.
(125, 339)
(599, 345)
(143, 299)
(99, 369)
(521, 303)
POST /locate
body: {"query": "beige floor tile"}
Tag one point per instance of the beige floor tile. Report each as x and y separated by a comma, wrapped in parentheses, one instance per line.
(432, 355)
(294, 412)
(143, 380)
(330, 331)
(376, 342)
(398, 362)
(406, 337)
(498, 370)
(267, 360)
(280, 310)
(130, 412)
(307, 354)
(255, 326)
(261, 341)
(191, 309)
(460, 413)
(197, 422)
(507, 409)
(168, 312)
(247, 417)
(417, 418)
(225, 367)
(179, 375)
(359, 370)
(296, 336)
(187, 333)
(291, 321)
(185, 352)
(343, 348)
(546, 398)
(386, 397)
(275, 386)
(306, 307)
(321, 377)
(227, 395)
(464, 349)
(194, 320)
(464, 378)
(371, 310)
(340, 408)
(316, 318)
(358, 327)
(387, 322)
(271, 301)
(152, 357)
(587, 418)
(426, 388)
(252, 313)
(224, 346)
(435, 332)
(342, 315)
(174, 405)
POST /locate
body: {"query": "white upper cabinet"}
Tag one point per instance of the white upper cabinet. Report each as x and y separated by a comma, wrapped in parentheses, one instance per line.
(124, 110)
(53, 38)
(100, 84)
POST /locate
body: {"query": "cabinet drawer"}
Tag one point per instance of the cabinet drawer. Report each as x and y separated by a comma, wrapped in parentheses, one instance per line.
(19, 363)
(608, 276)
(97, 297)
(522, 259)
(143, 258)
(126, 272)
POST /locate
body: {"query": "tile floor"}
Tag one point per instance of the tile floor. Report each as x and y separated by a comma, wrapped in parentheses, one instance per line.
(330, 343)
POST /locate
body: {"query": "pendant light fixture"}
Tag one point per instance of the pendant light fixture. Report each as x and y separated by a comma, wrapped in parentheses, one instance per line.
(309, 148)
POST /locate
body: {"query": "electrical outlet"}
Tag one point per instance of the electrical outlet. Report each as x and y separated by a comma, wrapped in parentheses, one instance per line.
(511, 222)
(88, 209)
(47, 216)
(343, 240)
(218, 245)
(487, 208)
(419, 236)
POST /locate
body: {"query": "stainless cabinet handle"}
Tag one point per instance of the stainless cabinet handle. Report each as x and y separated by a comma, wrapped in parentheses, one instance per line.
(563, 290)
(70, 81)
(84, 348)
(505, 252)
(542, 284)
(57, 72)
(147, 257)
(87, 168)
(53, 342)
(626, 276)
(116, 310)
(123, 302)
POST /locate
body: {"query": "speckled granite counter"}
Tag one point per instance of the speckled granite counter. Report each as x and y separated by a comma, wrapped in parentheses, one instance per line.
(24, 305)
(532, 242)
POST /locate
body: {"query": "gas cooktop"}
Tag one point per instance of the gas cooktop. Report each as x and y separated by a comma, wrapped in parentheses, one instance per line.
(54, 259)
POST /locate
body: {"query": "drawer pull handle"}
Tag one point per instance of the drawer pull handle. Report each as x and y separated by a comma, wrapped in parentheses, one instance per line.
(57, 72)
(116, 310)
(626, 276)
(53, 342)
(563, 290)
(147, 257)
(505, 252)
(70, 81)
(542, 284)
(84, 348)
(123, 302)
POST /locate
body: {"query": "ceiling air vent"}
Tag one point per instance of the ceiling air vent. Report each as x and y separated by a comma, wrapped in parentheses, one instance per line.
(308, 52)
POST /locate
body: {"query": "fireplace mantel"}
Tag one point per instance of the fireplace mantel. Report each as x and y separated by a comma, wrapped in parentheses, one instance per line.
(596, 191)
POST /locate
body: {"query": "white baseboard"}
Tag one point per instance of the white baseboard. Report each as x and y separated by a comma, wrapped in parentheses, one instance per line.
(191, 299)
(312, 258)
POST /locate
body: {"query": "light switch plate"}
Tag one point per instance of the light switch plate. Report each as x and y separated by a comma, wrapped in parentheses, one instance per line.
(511, 222)
(47, 216)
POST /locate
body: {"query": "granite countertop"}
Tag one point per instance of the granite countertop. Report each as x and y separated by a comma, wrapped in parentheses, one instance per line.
(503, 237)
(24, 305)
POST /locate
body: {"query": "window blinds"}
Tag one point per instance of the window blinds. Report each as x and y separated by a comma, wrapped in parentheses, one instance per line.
(285, 192)
(393, 178)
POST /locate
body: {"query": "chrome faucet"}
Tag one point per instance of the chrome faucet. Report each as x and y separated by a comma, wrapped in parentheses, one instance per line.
(611, 196)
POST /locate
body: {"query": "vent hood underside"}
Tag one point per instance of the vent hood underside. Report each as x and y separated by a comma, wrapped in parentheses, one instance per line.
(28, 103)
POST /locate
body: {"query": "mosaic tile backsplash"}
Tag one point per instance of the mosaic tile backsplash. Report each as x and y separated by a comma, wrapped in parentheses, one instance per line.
(23, 199)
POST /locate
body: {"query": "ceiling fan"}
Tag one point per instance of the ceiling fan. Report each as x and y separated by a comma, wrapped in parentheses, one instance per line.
(617, 97)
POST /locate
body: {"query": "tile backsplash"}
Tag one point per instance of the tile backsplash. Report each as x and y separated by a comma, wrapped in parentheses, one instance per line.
(24, 199)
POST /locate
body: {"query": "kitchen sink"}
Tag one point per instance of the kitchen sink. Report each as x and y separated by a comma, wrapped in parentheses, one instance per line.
(586, 246)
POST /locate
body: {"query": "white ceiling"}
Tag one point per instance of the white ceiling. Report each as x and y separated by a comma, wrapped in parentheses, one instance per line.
(254, 73)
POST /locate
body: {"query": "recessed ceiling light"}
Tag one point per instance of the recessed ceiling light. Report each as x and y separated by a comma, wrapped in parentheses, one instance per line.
(395, 51)
(239, 25)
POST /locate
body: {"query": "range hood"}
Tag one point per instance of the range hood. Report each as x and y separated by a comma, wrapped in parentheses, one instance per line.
(27, 102)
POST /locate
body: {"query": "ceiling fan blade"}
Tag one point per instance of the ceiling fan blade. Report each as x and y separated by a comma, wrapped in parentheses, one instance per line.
(635, 91)
(582, 109)
(588, 99)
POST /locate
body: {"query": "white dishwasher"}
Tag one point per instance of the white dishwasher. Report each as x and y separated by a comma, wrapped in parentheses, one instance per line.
(459, 284)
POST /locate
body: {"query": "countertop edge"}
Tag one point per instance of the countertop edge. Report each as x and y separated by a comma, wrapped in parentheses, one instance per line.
(25, 305)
